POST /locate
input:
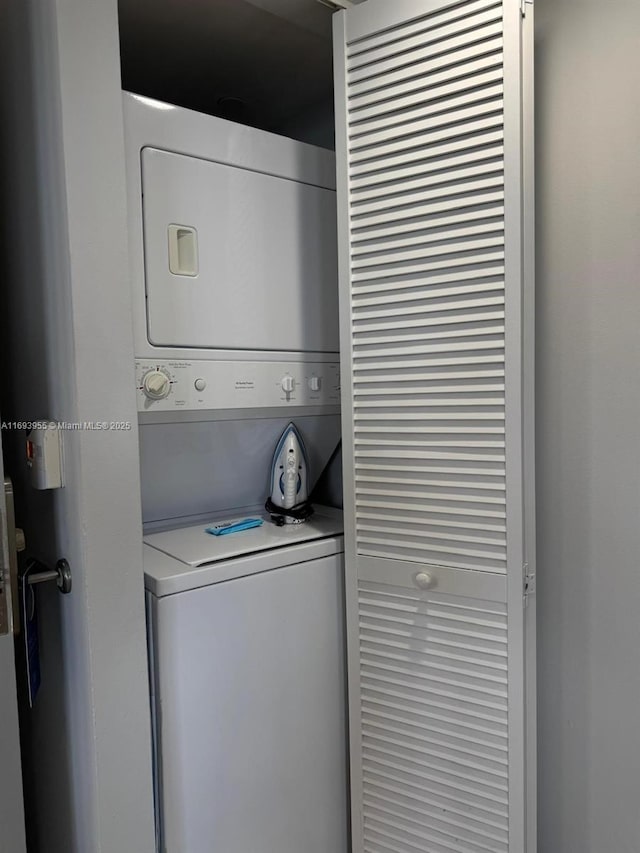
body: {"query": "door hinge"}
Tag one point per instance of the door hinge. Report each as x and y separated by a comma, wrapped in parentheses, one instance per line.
(528, 581)
(523, 6)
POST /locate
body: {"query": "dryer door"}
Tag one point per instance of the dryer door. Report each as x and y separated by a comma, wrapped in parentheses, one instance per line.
(237, 259)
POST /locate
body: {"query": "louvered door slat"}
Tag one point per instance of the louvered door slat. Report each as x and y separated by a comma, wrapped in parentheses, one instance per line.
(426, 761)
(453, 55)
(402, 221)
(426, 167)
(381, 265)
(486, 73)
(440, 23)
(444, 41)
(429, 129)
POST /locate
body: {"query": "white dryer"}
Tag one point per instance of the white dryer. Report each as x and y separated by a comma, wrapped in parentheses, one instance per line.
(246, 642)
(234, 266)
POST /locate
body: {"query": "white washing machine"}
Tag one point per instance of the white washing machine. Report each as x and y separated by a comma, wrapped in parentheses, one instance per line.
(246, 642)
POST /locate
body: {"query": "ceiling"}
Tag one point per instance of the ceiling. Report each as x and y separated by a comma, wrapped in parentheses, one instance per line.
(266, 63)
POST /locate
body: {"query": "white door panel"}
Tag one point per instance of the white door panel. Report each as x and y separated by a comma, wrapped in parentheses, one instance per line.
(432, 232)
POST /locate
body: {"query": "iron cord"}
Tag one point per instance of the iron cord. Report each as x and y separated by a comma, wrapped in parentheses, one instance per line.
(299, 512)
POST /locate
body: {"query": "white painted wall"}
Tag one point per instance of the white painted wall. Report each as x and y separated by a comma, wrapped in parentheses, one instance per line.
(65, 275)
(588, 424)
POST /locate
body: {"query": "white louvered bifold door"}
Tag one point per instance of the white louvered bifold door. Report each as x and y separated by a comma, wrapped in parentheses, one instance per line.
(433, 144)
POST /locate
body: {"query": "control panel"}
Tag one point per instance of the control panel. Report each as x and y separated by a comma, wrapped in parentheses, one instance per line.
(199, 385)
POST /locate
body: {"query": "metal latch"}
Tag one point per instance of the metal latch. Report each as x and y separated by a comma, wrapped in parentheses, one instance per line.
(529, 581)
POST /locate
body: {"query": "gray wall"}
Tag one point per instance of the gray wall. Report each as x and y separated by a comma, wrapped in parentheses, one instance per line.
(588, 422)
(315, 125)
(210, 467)
(69, 356)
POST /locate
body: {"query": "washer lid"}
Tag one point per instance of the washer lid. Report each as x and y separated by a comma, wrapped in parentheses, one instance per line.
(193, 546)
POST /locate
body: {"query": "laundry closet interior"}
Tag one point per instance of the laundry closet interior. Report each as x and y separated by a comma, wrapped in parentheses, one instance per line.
(330, 232)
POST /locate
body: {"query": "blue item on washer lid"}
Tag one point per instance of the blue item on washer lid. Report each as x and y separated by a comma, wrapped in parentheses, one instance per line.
(235, 526)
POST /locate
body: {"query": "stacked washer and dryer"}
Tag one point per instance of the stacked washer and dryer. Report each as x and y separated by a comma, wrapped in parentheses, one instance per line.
(233, 239)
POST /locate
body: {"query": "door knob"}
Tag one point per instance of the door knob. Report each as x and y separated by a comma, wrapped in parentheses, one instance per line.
(61, 574)
(424, 580)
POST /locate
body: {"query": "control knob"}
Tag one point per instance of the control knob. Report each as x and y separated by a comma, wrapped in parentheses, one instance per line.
(287, 384)
(156, 385)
